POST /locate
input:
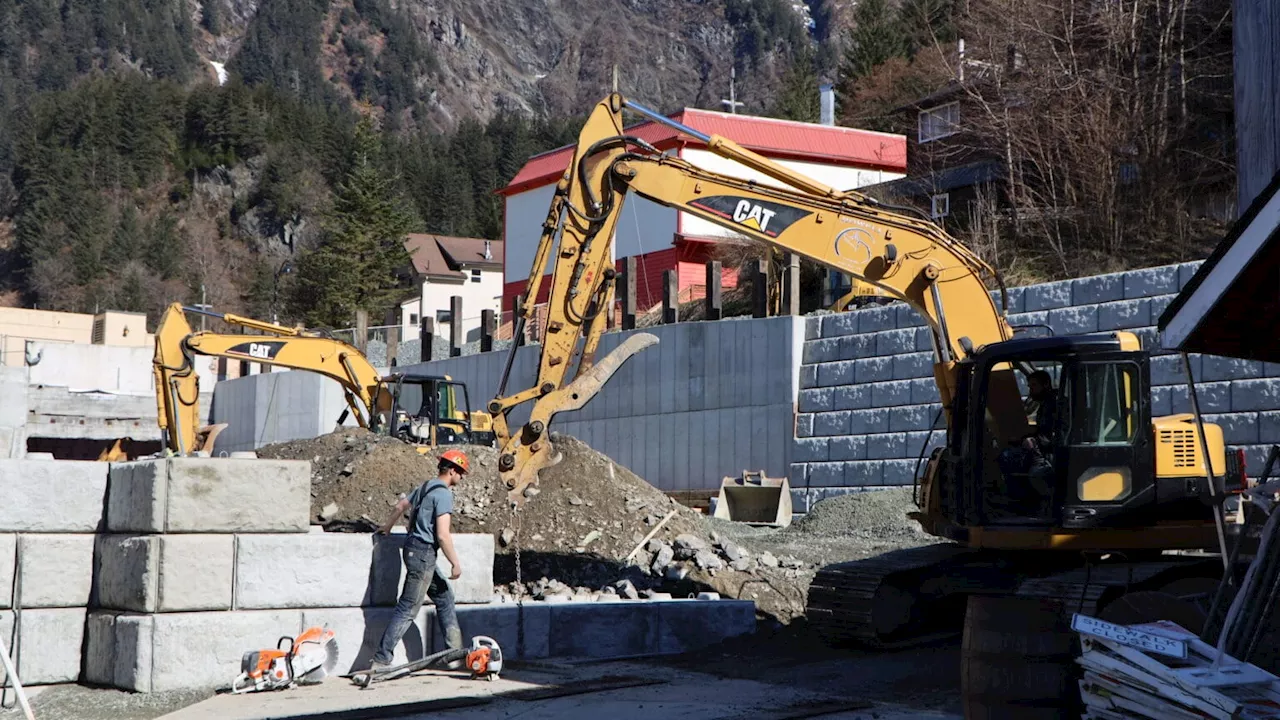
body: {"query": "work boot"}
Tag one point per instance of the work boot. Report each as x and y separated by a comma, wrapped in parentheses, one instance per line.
(453, 638)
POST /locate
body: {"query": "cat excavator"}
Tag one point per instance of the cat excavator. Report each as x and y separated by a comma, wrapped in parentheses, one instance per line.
(1122, 488)
(420, 409)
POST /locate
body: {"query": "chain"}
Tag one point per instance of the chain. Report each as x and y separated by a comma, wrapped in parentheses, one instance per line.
(515, 541)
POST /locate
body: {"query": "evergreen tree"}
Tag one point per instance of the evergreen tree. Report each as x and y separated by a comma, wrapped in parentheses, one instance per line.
(356, 265)
(876, 37)
(798, 98)
(925, 22)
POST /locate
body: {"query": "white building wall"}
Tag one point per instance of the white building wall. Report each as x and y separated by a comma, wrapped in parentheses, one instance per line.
(837, 176)
(436, 296)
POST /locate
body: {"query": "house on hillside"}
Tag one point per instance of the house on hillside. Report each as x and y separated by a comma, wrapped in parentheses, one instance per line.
(663, 238)
(443, 267)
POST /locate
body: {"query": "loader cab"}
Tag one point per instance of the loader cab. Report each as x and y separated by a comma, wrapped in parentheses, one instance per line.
(427, 410)
(1092, 467)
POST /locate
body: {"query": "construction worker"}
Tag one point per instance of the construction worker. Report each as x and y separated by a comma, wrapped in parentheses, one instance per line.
(430, 507)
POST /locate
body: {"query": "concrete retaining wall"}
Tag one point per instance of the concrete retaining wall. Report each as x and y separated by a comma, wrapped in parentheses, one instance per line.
(275, 407)
(869, 397)
(710, 399)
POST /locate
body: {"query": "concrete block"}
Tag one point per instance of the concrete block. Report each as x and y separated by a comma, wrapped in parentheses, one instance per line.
(871, 420)
(623, 628)
(166, 573)
(1249, 395)
(1271, 370)
(1150, 282)
(898, 472)
(810, 450)
(894, 342)
(820, 351)
(856, 347)
(929, 440)
(1161, 401)
(1074, 320)
(1048, 295)
(853, 447)
(1186, 271)
(210, 495)
(1097, 289)
(1213, 397)
(853, 397)
(804, 426)
(877, 319)
(831, 423)
(1158, 306)
(826, 473)
(1149, 340)
(910, 417)
(891, 394)
(873, 370)
(1168, 370)
(8, 554)
(1125, 314)
(812, 328)
(1268, 434)
(924, 391)
(475, 552)
(864, 473)
(816, 400)
(57, 570)
(836, 373)
(908, 317)
(1213, 367)
(14, 402)
(1237, 428)
(808, 376)
(912, 366)
(886, 445)
(360, 630)
(1255, 457)
(798, 474)
(503, 622)
(845, 323)
(50, 640)
(924, 339)
(52, 496)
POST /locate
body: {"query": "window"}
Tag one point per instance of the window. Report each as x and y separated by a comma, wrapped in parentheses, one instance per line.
(1105, 403)
(939, 122)
(475, 276)
(941, 206)
(413, 318)
(444, 316)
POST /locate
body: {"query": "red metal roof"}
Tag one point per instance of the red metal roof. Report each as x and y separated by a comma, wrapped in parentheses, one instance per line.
(784, 139)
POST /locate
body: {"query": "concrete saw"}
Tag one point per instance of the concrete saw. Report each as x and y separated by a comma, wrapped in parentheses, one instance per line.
(306, 660)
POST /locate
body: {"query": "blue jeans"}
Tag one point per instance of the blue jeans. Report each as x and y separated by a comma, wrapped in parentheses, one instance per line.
(422, 578)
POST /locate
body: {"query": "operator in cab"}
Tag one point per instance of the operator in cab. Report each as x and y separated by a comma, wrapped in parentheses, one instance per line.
(1033, 456)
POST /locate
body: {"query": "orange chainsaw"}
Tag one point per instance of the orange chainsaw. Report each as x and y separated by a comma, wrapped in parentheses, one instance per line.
(307, 660)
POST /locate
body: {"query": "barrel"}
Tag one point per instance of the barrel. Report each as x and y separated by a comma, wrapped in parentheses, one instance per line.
(1017, 660)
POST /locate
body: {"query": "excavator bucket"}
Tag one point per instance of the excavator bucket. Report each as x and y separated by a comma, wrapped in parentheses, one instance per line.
(755, 499)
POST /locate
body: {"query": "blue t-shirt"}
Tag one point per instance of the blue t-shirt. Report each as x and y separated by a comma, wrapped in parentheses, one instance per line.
(428, 502)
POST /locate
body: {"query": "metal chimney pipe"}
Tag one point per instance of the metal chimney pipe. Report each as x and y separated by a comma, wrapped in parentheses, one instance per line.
(828, 99)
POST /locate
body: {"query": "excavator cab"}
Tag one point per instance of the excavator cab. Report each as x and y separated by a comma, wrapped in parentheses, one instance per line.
(1099, 462)
(425, 411)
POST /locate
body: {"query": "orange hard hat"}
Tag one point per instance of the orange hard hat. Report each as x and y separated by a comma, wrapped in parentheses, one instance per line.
(457, 458)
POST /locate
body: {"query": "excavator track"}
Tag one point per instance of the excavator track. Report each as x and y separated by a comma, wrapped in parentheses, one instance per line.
(914, 596)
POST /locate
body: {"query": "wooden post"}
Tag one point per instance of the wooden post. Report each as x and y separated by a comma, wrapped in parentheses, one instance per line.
(670, 298)
(393, 336)
(715, 299)
(222, 368)
(244, 364)
(517, 309)
(362, 332)
(760, 287)
(426, 338)
(628, 293)
(791, 286)
(487, 327)
(455, 326)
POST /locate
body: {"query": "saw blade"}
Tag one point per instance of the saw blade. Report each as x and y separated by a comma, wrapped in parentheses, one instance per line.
(314, 664)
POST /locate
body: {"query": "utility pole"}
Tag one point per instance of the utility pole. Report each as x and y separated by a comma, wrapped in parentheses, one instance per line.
(205, 307)
(732, 102)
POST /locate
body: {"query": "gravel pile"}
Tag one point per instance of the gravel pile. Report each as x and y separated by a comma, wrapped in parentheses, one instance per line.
(583, 531)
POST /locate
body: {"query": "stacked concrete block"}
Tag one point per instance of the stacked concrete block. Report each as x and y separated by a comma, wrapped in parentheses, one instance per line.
(868, 399)
(48, 518)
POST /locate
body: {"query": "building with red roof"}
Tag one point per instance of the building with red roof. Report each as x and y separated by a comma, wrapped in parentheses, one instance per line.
(663, 238)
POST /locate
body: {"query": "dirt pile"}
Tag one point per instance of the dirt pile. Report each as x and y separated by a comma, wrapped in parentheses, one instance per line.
(584, 530)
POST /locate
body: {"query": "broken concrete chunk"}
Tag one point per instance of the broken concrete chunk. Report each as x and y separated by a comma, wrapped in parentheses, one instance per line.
(741, 564)
(348, 469)
(531, 491)
(768, 560)
(626, 589)
(732, 552)
(575, 500)
(507, 536)
(662, 559)
(677, 572)
(790, 562)
(329, 511)
(708, 560)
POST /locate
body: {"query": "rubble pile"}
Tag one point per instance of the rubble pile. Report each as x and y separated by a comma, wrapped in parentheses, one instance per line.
(583, 531)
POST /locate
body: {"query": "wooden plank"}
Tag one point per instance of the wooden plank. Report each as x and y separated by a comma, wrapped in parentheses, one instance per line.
(456, 339)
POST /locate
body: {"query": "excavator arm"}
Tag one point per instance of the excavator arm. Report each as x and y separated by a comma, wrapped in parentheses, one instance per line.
(178, 386)
(907, 258)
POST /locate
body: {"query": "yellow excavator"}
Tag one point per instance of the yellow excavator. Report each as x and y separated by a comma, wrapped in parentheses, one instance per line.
(420, 409)
(1089, 520)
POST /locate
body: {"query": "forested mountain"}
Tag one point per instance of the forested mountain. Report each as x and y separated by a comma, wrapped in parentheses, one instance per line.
(159, 150)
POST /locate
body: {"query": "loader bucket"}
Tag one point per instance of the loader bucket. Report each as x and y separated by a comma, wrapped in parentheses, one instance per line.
(755, 499)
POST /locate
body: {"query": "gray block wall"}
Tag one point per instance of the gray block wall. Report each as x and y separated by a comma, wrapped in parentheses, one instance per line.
(868, 399)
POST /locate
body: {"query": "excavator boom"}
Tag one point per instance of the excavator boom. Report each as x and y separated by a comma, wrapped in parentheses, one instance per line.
(908, 259)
